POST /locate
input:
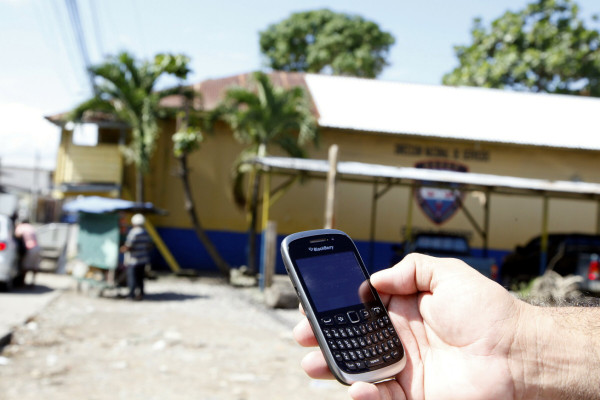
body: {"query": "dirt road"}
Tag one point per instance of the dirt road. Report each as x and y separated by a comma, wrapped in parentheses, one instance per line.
(187, 340)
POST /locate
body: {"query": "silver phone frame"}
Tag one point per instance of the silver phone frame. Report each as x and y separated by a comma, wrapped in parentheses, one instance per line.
(342, 376)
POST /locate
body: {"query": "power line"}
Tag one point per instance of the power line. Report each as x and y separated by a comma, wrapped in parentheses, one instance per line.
(138, 23)
(79, 37)
(60, 46)
(97, 28)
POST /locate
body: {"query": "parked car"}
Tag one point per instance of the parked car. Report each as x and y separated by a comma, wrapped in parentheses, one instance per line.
(440, 244)
(588, 267)
(8, 254)
(564, 251)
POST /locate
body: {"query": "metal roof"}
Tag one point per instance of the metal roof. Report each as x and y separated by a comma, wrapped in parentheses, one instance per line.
(466, 113)
(362, 172)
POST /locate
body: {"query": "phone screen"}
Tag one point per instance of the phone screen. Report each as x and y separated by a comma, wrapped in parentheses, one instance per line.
(335, 280)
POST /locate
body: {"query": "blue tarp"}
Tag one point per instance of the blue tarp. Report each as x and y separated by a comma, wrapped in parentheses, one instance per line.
(101, 205)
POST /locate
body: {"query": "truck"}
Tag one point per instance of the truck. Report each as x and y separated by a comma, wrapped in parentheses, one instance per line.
(567, 254)
(442, 244)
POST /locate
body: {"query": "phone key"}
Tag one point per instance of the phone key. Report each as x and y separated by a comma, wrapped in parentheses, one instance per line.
(376, 310)
(374, 362)
(327, 321)
(353, 317)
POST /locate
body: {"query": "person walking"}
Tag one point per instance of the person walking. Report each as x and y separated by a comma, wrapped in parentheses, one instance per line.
(29, 250)
(137, 256)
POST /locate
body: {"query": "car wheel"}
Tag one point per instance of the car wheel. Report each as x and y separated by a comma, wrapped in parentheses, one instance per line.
(6, 286)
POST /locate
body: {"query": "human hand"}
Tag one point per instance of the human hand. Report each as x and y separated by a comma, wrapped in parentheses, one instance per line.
(457, 328)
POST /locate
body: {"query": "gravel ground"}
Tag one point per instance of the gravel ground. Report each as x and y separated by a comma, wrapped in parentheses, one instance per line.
(189, 339)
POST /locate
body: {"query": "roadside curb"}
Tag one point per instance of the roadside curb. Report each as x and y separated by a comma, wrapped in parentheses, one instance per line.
(6, 337)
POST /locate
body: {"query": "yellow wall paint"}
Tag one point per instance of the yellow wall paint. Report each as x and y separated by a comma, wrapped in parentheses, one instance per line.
(513, 219)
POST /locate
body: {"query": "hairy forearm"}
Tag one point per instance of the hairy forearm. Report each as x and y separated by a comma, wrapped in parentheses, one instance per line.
(556, 353)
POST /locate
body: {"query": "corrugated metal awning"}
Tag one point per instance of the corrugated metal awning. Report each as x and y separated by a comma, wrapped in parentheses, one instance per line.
(363, 172)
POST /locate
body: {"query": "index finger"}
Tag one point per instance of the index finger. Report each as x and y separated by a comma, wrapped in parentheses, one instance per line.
(417, 273)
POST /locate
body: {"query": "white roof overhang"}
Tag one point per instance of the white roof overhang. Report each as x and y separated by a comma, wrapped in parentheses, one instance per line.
(371, 173)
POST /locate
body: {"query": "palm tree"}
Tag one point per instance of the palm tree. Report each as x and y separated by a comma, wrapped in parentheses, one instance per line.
(126, 89)
(261, 117)
(186, 140)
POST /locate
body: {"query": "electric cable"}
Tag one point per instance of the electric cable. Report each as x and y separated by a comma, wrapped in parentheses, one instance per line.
(80, 39)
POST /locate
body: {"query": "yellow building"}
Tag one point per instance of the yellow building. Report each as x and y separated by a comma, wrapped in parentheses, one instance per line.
(471, 130)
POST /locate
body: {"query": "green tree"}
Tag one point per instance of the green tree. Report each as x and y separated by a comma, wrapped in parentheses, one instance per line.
(126, 89)
(325, 41)
(546, 47)
(263, 117)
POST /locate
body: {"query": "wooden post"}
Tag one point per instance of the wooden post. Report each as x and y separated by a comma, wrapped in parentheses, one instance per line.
(270, 251)
(598, 218)
(409, 216)
(330, 192)
(544, 237)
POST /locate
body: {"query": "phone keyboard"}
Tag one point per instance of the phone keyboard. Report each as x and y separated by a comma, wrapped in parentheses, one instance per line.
(362, 340)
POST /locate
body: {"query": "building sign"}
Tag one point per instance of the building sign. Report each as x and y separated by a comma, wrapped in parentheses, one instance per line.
(439, 204)
(465, 154)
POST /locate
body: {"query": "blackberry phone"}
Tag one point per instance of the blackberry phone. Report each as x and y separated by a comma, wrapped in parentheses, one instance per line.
(352, 327)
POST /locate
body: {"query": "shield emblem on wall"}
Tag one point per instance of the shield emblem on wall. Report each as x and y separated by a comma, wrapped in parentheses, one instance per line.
(439, 204)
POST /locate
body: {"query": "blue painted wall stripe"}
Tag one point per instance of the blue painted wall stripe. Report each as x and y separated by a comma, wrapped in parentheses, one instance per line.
(233, 246)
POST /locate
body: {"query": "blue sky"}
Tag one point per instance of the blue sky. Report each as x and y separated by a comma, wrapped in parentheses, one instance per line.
(42, 70)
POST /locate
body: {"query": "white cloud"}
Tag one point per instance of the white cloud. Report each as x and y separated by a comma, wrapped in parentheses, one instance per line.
(24, 133)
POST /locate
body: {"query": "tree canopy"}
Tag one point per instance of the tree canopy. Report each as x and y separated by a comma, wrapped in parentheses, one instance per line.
(126, 89)
(546, 47)
(266, 116)
(325, 41)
